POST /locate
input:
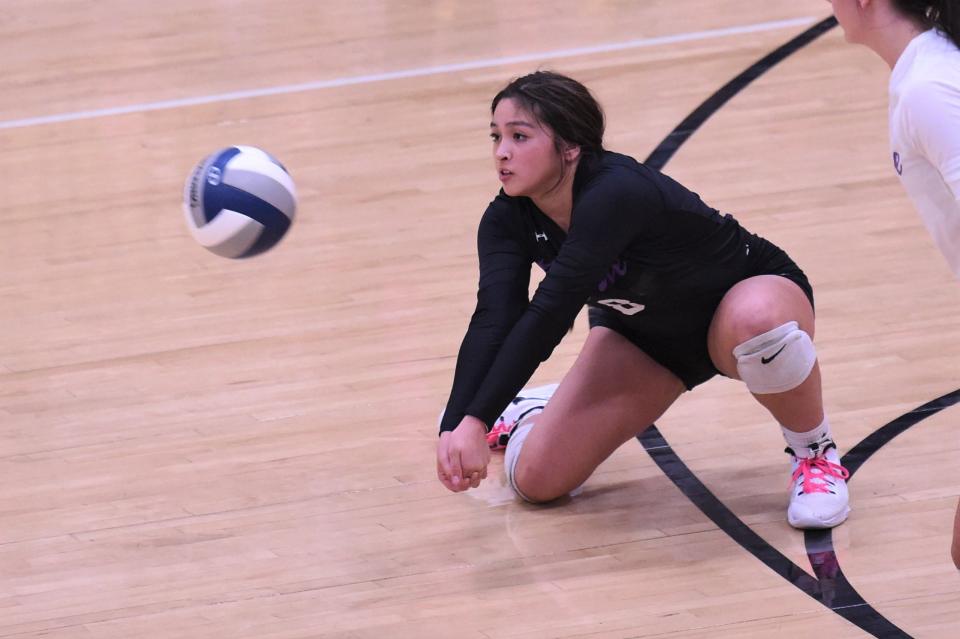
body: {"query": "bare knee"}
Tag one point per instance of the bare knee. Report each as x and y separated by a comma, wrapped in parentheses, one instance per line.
(535, 470)
(537, 484)
(754, 307)
(751, 320)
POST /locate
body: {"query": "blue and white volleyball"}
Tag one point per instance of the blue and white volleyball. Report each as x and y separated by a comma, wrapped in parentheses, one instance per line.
(239, 202)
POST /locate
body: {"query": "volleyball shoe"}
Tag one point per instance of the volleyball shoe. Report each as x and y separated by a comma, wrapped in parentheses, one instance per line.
(818, 488)
(530, 402)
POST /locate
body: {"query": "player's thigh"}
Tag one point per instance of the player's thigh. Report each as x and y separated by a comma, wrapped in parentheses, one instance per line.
(611, 394)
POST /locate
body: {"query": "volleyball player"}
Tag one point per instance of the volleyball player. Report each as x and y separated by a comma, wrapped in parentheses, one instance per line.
(677, 293)
(920, 42)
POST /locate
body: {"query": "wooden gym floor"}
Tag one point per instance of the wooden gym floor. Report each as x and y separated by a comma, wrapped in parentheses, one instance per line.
(203, 448)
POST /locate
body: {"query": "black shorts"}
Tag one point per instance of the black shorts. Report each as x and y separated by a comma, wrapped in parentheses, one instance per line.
(685, 353)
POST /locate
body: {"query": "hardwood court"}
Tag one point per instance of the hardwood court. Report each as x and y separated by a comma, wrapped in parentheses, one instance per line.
(201, 448)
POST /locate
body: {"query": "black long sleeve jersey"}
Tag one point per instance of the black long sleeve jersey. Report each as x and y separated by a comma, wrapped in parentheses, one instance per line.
(639, 244)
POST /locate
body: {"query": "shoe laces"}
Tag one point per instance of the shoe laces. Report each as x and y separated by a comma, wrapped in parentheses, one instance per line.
(499, 435)
(815, 472)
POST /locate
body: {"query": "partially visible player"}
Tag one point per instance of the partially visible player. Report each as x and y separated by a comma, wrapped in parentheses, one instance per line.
(677, 291)
(955, 550)
(920, 41)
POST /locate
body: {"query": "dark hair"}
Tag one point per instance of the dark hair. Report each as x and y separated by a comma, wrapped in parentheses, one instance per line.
(562, 104)
(942, 14)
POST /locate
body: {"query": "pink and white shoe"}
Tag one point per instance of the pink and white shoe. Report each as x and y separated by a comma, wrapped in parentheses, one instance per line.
(818, 495)
(528, 403)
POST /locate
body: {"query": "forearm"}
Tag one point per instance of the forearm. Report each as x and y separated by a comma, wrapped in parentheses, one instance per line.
(482, 342)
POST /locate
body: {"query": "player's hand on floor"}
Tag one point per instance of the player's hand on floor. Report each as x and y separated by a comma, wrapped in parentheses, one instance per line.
(463, 455)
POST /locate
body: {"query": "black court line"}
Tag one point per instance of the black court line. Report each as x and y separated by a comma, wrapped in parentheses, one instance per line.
(860, 453)
(819, 543)
(670, 144)
(830, 586)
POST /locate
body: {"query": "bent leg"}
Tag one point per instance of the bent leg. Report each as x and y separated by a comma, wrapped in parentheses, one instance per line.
(762, 333)
(611, 394)
(754, 307)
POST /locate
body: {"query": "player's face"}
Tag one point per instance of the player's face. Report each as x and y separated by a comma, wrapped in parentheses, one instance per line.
(849, 16)
(524, 153)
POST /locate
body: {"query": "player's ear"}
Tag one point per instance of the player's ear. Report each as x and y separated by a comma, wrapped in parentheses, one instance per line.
(571, 152)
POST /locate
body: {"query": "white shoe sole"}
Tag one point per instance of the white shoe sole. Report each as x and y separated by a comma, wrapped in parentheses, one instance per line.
(810, 523)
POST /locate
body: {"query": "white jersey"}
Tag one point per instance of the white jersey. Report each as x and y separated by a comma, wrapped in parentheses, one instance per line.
(925, 135)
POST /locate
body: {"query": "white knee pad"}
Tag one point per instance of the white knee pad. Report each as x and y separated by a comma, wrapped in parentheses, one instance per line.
(776, 361)
(512, 454)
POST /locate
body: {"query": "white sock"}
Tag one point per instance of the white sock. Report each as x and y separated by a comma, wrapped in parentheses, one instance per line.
(810, 443)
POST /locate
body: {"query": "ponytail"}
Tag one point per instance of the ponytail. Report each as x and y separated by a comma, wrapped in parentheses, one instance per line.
(942, 14)
(946, 16)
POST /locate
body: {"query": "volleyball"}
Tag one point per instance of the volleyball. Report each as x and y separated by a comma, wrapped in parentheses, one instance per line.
(239, 202)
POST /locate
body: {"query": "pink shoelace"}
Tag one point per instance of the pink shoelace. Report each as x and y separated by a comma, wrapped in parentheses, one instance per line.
(814, 471)
(499, 434)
